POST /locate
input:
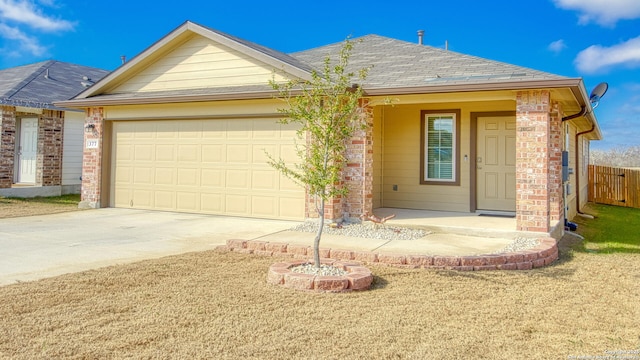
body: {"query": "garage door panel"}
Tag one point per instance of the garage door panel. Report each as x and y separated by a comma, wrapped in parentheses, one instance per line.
(207, 166)
(144, 130)
(141, 198)
(238, 129)
(212, 178)
(143, 152)
(212, 203)
(214, 130)
(213, 153)
(188, 177)
(259, 153)
(187, 201)
(264, 179)
(236, 204)
(190, 129)
(165, 152)
(166, 130)
(143, 175)
(238, 153)
(188, 152)
(264, 206)
(237, 179)
(124, 152)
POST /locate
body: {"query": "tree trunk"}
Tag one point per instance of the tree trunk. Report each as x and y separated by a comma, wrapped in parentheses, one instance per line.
(316, 241)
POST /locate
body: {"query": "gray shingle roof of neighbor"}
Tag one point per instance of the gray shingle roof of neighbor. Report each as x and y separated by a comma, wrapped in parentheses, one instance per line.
(39, 85)
(398, 64)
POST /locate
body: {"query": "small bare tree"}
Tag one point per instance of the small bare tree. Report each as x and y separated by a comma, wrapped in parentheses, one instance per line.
(619, 156)
(329, 112)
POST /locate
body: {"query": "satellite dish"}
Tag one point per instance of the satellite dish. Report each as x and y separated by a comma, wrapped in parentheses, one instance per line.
(597, 93)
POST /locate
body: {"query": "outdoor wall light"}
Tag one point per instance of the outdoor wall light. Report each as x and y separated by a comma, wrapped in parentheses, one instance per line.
(90, 128)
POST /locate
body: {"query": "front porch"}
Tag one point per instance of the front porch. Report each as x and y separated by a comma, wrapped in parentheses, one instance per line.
(460, 223)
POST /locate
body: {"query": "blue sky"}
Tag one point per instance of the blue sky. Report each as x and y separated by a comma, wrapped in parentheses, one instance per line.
(598, 40)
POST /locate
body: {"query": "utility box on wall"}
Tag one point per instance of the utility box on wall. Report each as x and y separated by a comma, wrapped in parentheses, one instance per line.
(565, 166)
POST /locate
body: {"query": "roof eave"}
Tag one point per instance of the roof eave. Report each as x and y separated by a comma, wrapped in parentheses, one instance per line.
(468, 87)
(163, 99)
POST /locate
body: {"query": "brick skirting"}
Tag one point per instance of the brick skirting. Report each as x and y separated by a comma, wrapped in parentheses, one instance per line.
(543, 254)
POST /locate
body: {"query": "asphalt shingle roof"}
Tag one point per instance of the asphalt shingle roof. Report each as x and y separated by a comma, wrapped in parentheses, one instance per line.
(398, 64)
(39, 85)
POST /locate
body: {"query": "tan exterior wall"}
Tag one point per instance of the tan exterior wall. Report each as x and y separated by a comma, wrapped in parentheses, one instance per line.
(399, 129)
(378, 145)
(193, 110)
(199, 63)
(579, 169)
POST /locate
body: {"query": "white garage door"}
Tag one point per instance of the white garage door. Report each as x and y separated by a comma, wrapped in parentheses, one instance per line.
(205, 166)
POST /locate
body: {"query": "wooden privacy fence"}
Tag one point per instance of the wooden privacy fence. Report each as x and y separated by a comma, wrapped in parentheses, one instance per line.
(614, 186)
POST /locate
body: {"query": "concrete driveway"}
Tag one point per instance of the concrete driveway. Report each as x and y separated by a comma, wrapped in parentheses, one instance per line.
(36, 247)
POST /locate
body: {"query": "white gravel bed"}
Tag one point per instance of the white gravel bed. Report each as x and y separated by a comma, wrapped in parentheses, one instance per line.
(324, 270)
(520, 244)
(364, 230)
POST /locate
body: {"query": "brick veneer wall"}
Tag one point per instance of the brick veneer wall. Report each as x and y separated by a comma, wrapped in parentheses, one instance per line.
(7, 145)
(357, 176)
(556, 200)
(50, 138)
(533, 133)
(92, 160)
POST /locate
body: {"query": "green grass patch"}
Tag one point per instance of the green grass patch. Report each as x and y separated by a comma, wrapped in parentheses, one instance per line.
(614, 229)
(69, 199)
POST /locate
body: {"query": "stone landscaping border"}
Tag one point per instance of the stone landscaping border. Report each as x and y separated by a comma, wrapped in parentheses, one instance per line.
(357, 278)
(542, 255)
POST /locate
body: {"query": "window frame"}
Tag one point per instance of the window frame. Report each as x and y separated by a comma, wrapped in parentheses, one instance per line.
(456, 147)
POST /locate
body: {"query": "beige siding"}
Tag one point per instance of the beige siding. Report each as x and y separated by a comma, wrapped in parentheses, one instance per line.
(197, 109)
(377, 157)
(72, 147)
(199, 63)
(570, 196)
(400, 159)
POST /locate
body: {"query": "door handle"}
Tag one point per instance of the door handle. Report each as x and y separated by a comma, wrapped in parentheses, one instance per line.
(479, 162)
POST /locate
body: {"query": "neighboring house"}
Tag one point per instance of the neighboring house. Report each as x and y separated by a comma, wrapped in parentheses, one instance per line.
(41, 144)
(184, 125)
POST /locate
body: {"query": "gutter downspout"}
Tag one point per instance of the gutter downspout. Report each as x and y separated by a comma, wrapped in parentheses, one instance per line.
(593, 127)
(582, 112)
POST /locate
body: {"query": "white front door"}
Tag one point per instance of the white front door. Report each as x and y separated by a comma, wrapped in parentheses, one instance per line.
(496, 163)
(27, 153)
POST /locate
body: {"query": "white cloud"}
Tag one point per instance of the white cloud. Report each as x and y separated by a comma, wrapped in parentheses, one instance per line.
(597, 58)
(557, 46)
(24, 12)
(602, 12)
(27, 43)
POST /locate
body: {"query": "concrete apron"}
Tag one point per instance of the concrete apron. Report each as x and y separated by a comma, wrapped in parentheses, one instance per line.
(36, 247)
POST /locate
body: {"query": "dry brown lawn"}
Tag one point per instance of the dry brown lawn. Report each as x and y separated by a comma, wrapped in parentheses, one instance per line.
(17, 207)
(217, 305)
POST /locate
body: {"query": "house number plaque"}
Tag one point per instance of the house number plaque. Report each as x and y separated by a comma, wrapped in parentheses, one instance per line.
(92, 144)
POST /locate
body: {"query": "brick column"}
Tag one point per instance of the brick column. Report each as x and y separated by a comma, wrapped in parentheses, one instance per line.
(7, 145)
(50, 137)
(556, 200)
(92, 160)
(358, 174)
(532, 160)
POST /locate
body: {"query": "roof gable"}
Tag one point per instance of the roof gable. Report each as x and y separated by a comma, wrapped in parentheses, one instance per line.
(39, 85)
(196, 57)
